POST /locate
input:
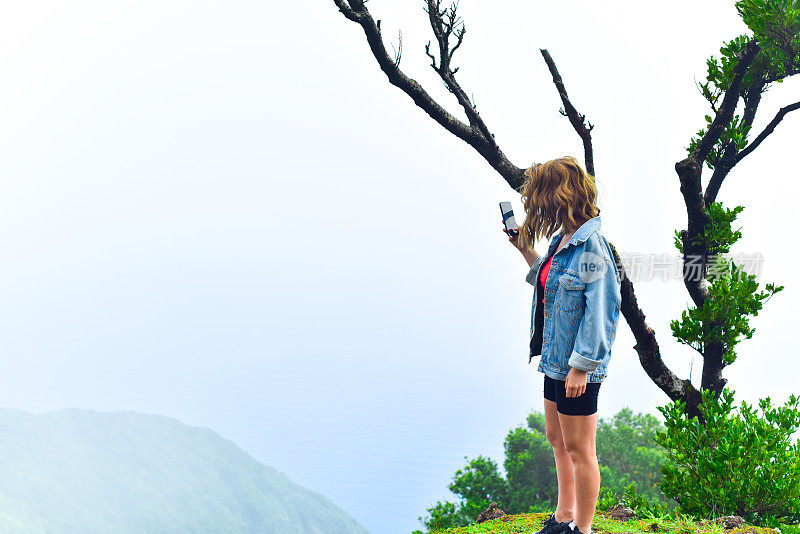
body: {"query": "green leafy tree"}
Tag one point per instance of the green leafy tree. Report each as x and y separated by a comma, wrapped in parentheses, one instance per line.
(479, 484)
(724, 295)
(529, 465)
(529, 484)
(630, 462)
(628, 454)
(739, 462)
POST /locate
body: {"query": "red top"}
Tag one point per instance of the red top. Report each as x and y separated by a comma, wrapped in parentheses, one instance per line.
(545, 271)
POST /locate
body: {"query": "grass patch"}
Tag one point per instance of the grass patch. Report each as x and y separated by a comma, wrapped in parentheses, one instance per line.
(604, 524)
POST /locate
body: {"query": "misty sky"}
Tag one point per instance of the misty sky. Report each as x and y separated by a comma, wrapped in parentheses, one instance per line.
(223, 213)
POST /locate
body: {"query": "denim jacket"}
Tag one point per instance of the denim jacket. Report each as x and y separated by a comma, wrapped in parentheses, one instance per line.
(577, 323)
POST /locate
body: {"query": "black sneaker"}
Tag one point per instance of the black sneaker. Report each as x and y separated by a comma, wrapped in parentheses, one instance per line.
(576, 530)
(551, 526)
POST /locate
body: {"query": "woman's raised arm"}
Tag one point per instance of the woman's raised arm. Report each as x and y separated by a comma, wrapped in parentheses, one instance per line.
(530, 255)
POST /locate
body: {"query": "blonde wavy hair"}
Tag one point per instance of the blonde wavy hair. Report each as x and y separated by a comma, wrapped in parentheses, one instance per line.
(557, 194)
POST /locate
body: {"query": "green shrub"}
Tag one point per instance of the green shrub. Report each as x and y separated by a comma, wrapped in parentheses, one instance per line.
(644, 507)
(739, 462)
(443, 515)
(606, 499)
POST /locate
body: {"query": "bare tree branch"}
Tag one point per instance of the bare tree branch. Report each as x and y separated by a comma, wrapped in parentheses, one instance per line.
(476, 134)
(348, 12)
(647, 347)
(728, 106)
(767, 131)
(398, 52)
(578, 121)
(446, 23)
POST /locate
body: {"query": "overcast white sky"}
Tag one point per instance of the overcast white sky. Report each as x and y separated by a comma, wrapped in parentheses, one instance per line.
(222, 212)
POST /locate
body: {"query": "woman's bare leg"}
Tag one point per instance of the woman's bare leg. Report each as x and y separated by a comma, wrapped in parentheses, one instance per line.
(565, 510)
(580, 432)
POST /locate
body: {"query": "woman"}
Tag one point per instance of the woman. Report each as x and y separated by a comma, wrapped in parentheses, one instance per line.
(573, 324)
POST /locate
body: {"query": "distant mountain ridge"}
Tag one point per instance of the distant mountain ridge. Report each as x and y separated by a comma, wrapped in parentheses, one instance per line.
(83, 472)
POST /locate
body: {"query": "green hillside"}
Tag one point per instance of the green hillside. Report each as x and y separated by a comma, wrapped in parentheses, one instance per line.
(83, 472)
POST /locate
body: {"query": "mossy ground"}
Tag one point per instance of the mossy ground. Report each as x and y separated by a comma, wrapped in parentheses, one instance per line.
(603, 524)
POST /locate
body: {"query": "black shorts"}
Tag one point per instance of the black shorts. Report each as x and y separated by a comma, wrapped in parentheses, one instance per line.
(586, 404)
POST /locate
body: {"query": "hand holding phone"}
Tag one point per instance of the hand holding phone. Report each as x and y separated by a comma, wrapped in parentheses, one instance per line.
(509, 223)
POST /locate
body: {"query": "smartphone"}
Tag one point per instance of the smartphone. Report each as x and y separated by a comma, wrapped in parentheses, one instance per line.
(509, 222)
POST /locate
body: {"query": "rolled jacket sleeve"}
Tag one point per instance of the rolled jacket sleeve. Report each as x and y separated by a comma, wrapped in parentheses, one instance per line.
(598, 326)
(531, 276)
